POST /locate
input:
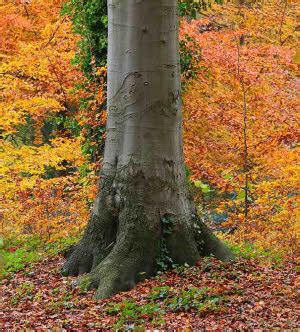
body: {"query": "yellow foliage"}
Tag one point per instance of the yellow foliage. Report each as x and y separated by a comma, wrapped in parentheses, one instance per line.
(41, 188)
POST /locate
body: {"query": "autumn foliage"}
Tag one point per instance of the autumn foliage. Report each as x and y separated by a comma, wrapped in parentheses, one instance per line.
(240, 120)
(241, 124)
(41, 189)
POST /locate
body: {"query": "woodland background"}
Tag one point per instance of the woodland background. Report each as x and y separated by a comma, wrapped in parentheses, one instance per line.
(240, 62)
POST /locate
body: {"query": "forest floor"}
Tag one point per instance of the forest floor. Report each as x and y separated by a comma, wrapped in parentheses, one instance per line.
(210, 296)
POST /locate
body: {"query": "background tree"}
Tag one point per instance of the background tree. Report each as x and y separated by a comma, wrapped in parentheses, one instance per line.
(143, 209)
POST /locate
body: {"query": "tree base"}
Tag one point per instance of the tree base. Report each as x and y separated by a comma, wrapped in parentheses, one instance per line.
(136, 249)
(139, 218)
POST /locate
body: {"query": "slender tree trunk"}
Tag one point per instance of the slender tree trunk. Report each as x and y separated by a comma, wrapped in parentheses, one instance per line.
(245, 130)
(246, 168)
(143, 204)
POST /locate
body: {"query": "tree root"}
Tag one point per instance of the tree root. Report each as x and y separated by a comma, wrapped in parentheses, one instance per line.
(209, 245)
(95, 245)
(181, 243)
(119, 250)
(132, 257)
(80, 261)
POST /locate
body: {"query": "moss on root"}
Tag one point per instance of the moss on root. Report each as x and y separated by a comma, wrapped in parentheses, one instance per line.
(134, 254)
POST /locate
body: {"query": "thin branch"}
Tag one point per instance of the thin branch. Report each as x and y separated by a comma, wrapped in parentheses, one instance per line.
(26, 10)
(282, 21)
(54, 33)
(59, 82)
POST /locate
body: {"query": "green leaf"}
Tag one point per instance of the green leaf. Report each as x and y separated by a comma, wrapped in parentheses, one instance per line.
(204, 187)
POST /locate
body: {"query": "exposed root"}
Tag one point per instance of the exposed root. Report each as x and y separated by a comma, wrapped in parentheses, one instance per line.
(123, 239)
(133, 256)
(181, 243)
(80, 261)
(95, 245)
(209, 244)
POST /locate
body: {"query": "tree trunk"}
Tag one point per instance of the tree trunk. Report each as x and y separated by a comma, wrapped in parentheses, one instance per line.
(143, 210)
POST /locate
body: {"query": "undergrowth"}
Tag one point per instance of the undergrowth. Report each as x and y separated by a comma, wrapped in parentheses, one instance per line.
(15, 254)
(163, 300)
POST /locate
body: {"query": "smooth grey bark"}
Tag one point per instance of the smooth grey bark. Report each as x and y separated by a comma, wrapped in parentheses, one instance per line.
(143, 178)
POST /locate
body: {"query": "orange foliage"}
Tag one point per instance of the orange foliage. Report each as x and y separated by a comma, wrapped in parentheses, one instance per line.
(246, 69)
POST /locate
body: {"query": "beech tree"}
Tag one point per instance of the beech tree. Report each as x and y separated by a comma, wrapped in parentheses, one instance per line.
(143, 214)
